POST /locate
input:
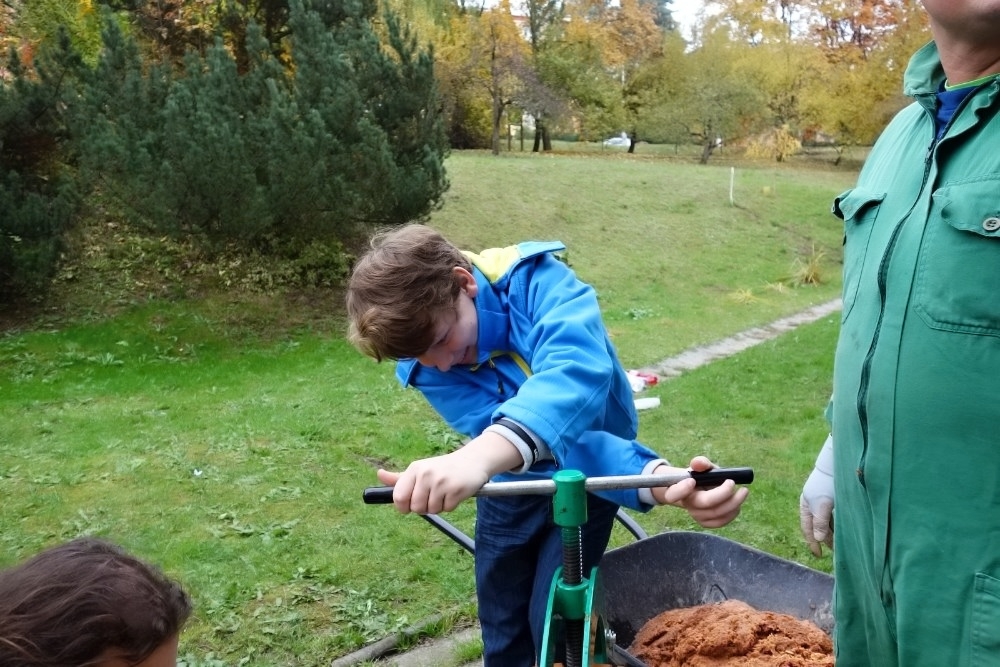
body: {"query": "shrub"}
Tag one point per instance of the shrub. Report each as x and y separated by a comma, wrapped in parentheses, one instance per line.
(345, 136)
(37, 198)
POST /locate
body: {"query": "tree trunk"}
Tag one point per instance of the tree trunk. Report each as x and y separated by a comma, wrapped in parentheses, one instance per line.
(542, 139)
(706, 151)
(497, 115)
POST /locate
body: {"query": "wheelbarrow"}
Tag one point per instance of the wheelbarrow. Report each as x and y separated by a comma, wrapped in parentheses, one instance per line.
(655, 574)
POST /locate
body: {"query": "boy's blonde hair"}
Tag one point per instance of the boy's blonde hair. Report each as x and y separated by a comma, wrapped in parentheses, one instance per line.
(399, 290)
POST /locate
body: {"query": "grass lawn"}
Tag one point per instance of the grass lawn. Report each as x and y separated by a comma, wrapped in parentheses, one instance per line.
(674, 263)
(228, 438)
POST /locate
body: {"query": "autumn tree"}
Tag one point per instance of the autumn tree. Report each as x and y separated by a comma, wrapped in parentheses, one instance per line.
(575, 65)
(483, 65)
(170, 28)
(167, 29)
(822, 66)
(544, 22)
(466, 109)
(505, 55)
(851, 30)
(26, 26)
(635, 40)
(866, 45)
(655, 88)
(715, 104)
(662, 14)
(751, 22)
(605, 63)
(452, 27)
(544, 28)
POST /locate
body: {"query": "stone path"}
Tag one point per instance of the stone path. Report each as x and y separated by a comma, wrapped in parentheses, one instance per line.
(699, 356)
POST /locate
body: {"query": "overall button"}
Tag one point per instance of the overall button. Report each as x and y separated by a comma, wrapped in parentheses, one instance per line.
(991, 224)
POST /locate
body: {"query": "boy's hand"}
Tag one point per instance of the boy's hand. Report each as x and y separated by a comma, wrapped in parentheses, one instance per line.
(434, 485)
(711, 508)
(439, 484)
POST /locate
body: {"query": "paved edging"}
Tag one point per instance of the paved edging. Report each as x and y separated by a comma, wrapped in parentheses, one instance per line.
(386, 646)
(699, 356)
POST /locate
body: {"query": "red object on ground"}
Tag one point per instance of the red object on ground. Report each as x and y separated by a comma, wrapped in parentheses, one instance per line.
(648, 378)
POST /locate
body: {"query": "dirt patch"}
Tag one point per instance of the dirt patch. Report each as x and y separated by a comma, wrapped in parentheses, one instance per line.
(728, 634)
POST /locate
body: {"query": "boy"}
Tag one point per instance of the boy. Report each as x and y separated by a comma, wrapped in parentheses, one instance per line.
(509, 347)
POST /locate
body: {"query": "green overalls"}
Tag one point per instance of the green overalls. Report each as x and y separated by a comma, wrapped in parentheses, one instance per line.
(916, 407)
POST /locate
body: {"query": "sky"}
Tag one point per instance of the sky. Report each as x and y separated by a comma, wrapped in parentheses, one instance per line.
(685, 12)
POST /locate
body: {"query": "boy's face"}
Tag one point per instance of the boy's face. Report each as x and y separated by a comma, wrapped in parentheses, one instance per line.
(457, 331)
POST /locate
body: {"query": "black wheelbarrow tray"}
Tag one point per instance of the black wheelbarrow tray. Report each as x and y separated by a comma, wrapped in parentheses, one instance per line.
(679, 569)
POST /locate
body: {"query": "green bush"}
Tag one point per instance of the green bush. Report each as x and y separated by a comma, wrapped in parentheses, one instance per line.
(315, 263)
(31, 227)
(348, 135)
(321, 264)
(37, 199)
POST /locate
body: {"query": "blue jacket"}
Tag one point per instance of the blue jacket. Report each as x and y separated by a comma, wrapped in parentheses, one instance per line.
(546, 362)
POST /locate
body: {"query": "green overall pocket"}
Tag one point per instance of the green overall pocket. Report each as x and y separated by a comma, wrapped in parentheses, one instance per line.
(958, 270)
(984, 630)
(858, 209)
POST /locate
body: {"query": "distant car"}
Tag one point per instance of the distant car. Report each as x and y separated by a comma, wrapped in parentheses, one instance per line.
(620, 140)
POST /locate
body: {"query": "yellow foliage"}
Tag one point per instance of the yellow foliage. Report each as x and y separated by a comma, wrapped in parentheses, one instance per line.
(778, 143)
(808, 271)
(743, 296)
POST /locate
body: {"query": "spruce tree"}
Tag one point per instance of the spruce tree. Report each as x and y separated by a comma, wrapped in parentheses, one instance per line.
(38, 200)
(341, 130)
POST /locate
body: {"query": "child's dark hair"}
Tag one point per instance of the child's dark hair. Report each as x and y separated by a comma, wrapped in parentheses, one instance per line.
(399, 289)
(72, 603)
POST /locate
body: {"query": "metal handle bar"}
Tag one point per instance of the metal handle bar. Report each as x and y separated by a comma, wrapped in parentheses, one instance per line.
(378, 495)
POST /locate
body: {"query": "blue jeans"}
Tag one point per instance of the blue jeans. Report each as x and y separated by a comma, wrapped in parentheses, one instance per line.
(518, 549)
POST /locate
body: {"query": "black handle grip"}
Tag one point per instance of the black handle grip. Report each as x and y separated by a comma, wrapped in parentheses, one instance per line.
(381, 495)
(377, 495)
(716, 476)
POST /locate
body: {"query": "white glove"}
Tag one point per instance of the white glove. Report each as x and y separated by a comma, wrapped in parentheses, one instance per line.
(816, 502)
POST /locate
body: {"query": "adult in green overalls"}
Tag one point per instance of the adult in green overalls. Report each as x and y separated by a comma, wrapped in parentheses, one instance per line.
(915, 415)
